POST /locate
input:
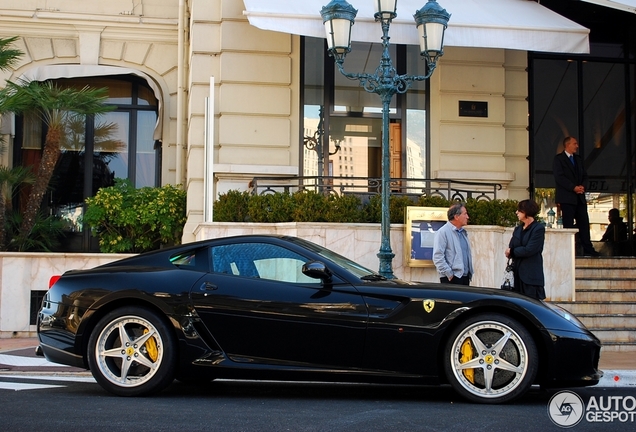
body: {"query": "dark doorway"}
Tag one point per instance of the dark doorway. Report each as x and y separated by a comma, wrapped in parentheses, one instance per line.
(591, 97)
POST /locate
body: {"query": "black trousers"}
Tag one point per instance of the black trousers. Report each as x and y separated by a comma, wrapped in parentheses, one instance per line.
(578, 212)
(534, 291)
(464, 280)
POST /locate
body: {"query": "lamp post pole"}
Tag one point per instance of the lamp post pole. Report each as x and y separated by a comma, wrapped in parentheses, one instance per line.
(338, 18)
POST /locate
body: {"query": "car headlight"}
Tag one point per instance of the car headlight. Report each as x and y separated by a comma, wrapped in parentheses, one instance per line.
(566, 315)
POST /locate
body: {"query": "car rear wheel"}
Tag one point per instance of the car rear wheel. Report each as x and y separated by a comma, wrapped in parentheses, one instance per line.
(491, 359)
(132, 352)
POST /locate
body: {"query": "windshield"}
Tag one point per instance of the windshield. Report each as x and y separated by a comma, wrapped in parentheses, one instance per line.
(346, 263)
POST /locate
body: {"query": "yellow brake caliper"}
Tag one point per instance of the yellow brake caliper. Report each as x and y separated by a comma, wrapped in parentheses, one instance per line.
(467, 355)
(151, 347)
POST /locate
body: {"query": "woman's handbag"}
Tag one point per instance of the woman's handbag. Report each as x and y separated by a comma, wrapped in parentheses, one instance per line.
(509, 277)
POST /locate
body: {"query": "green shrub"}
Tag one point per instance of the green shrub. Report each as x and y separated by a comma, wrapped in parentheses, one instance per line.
(372, 210)
(274, 207)
(495, 212)
(43, 237)
(126, 219)
(433, 201)
(344, 209)
(232, 207)
(309, 206)
(397, 208)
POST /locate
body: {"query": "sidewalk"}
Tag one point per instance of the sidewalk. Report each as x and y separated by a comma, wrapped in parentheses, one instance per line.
(619, 366)
(17, 343)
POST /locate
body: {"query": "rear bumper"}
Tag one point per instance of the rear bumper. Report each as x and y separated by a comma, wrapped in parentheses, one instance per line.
(56, 355)
(58, 340)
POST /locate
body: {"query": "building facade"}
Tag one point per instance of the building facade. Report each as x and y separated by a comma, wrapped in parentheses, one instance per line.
(209, 95)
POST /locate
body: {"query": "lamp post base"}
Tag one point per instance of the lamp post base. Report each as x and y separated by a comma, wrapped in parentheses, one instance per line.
(386, 266)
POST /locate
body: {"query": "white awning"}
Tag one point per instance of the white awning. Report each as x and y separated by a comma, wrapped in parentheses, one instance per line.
(511, 24)
(47, 72)
(624, 5)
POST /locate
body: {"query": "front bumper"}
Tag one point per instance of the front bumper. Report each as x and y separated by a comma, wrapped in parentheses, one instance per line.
(574, 360)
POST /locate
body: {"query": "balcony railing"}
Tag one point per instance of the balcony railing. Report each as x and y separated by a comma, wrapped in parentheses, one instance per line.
(365, 187)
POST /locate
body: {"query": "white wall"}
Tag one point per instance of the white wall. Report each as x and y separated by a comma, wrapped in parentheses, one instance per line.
(23, 272)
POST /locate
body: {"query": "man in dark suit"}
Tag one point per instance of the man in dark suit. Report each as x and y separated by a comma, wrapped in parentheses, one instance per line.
(571, 181)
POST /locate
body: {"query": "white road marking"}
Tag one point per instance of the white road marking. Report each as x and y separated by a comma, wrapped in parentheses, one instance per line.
(26, 386)
(12, 360)
(63, 378)
(18, 386)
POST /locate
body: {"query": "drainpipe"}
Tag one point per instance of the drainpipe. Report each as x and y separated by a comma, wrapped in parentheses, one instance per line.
(180, 171)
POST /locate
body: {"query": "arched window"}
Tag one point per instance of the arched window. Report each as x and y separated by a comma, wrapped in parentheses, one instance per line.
(96, 150)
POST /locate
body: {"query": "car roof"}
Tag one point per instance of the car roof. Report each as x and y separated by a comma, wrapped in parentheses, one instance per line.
(161, 257)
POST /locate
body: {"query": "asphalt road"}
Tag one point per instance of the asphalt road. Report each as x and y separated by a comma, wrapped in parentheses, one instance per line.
(72, 402)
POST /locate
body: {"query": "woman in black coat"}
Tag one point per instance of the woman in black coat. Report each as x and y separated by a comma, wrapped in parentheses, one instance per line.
(525, 250)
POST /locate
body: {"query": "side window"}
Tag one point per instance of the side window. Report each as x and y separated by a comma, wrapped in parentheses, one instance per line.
(191, 260)
(260, 260)
(187, 259)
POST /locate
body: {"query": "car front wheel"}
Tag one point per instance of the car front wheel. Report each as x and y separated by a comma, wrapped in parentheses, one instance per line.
(491, 359)
(132, 352)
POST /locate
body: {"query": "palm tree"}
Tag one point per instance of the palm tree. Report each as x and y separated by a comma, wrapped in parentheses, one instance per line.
(9, 177)
(57, 107)
(8, 56)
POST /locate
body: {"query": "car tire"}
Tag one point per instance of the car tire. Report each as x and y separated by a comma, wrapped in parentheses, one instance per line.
(132, 352)
(491, 358)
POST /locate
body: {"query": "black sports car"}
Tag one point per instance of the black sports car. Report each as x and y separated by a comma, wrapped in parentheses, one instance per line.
(283, 308)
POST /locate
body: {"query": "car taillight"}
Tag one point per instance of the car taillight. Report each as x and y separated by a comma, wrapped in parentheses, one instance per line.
(53, 280)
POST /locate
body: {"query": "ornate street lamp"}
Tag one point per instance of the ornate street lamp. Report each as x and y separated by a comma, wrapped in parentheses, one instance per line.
(338, 17)
(551, 216)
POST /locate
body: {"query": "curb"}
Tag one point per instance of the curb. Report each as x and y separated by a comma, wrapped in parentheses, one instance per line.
(618, 378)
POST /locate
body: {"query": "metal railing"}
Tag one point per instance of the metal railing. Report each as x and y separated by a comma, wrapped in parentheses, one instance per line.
(365, 187)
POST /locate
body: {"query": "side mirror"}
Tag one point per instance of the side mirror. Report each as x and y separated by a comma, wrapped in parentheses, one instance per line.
(317, 270)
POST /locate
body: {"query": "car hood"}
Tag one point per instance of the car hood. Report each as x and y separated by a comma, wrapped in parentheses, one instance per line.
(541, 313)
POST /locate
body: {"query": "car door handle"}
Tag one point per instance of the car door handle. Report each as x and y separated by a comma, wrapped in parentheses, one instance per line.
(208, 286)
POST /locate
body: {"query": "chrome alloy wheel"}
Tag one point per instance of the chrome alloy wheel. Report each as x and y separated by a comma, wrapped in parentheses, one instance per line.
(129, 351)
(489, 360)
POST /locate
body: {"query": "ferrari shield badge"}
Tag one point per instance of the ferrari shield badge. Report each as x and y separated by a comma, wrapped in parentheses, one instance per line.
(428, 305)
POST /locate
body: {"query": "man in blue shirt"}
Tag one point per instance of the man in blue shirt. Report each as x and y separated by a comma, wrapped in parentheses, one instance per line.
(451, 249)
